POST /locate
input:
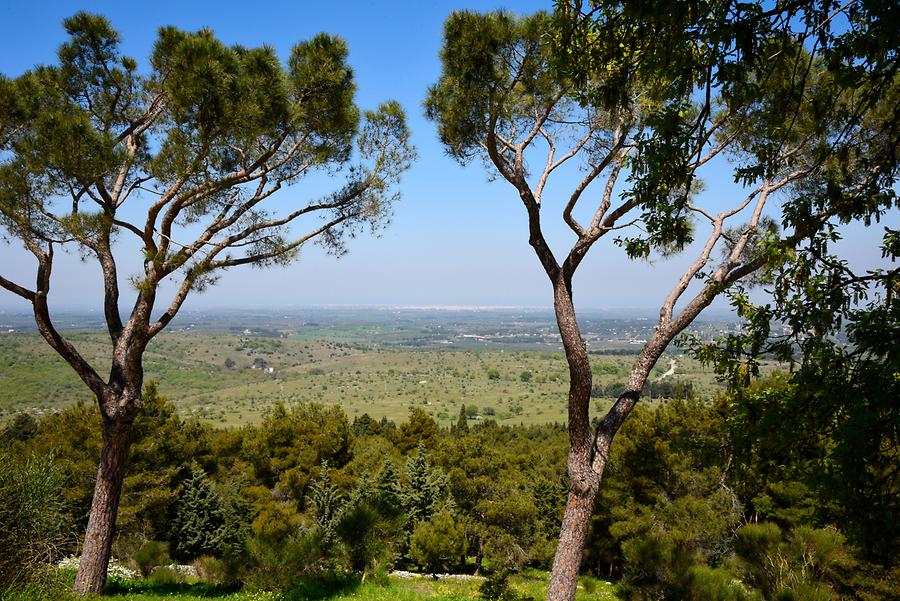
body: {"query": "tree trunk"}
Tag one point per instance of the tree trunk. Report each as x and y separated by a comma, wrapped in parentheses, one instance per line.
(570, 548)
(98, 538)
(584, 481)
(588, 450)
(479, 557)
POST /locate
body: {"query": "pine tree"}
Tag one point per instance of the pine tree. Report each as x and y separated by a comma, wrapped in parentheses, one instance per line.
(426, 493)
(462, 424)
(389, 490)
(183, 156)
(199, 522)
(371, 522)
(327, 502)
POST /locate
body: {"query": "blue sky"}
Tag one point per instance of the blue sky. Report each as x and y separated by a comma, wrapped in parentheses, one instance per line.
(455, 237)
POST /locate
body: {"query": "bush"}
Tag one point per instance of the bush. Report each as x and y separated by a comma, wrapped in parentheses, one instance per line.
(33, 523)
(600, 370)
(806, 564)
(199, 524)
(45, 585)
(165, 576)
(369, 531)
(656, 568)
(716, 584)
(325, 586)
(212, 569)
(503, 550)
(150, 556)
(496, 587)
(21, 428)
(281, 564)
(439, 543)
(871, 582)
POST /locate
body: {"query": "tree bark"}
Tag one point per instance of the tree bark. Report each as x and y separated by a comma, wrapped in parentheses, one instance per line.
(569, 549)
(479, 557)
(589, 450)
(98, 537)
(584, 481)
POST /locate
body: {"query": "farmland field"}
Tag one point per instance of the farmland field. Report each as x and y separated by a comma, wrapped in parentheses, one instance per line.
(228, 371)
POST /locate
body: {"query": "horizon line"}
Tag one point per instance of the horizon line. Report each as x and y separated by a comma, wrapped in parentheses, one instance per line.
(349, 306)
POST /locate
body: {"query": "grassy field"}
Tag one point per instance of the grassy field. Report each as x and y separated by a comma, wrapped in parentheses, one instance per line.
(231, 379)
(530, 585)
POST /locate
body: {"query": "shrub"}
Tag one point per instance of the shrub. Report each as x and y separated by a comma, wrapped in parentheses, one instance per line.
(325, 586)
(503, 550)
(150, 556)
(439, 543)
(21, 428)
(165, 576)
(47, 585)
(657, 568)
(369, 531)
(806, 564)
(717, 584)
(281, 564)
(599, 370)
(212, 569)
(496, 587)
(33, 523)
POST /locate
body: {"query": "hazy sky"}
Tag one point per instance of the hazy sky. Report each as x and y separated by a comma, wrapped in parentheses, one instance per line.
(455, 237)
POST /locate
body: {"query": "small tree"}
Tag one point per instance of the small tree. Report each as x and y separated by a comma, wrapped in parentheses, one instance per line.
(419, 430)
(21, 428)
(389, 489)
(438, 544)
(462, 423)
(371, 522)
(199, 521)
(647, 99)
(426, 493)
(198, 145)
(327, 503)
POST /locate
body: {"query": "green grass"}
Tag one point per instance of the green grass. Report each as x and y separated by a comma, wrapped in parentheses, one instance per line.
(531, 584)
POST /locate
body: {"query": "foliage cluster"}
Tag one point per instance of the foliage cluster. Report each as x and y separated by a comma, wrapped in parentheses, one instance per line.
(700, 505)
(33, 528)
